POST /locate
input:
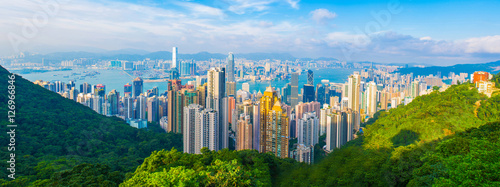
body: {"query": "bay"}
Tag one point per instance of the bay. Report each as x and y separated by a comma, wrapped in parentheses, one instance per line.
(116, 79)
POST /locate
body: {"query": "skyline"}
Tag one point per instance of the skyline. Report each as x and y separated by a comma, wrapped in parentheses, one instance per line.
(438, 33)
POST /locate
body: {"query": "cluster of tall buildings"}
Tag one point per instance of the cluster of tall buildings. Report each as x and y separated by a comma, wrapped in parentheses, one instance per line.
(210, 112)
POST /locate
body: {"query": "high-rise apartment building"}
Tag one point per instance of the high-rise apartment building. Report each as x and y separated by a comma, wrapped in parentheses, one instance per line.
(153, 106)
(354, 92)
(274, 123)
(114, 102)
(207, 130)
(128, 107)
(140, 107)
(216, 91)
(245, 133)
(371, 98)
(308, 129)
(127, 90)
(294, 97)
(175, 107)
(190, 125)
(415, 89)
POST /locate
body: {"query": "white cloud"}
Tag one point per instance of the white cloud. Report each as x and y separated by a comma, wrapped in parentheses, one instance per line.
(293, 4)
(322, 15)
(426, 38)
(242, 6)
(487, 44)
(342, 38)
(201, 10)
(245, 6)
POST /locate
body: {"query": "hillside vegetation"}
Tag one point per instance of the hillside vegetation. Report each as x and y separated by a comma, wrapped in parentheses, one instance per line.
(57, 139)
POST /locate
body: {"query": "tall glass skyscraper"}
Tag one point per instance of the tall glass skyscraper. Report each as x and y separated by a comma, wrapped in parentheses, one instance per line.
(310, 77)
(230, 67)
(175, 63)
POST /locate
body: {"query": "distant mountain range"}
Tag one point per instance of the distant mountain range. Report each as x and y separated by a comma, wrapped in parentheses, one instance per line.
(491, 67)
(136, 55)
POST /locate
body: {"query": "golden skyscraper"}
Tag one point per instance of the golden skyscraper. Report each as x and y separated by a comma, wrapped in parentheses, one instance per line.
(274, 125)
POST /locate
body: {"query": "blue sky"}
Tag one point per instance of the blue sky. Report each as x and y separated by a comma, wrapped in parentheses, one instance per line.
(432, 32)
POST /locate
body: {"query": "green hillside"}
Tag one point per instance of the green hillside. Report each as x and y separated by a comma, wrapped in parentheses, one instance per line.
(58, 138)
(442, 139)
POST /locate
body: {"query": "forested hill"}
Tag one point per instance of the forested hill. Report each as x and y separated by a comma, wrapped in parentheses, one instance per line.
(55, 136)
(448, 138)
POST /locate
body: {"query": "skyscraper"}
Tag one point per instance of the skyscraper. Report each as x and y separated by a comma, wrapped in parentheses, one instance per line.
(256, 126)
(320, 94)
(415, 89)
(128, 107)
(244, 133)
(137, 82)
(230, 68)
(308, 94)
(216, 91)
(287, 92)
(100, 90)
(308, 129)
(127, 90)
(153, 106)
(140, 107)
(294, 97)
(175, 63)
(371, 98)
(73, 94)
(273, 125)
(207, 131)
(245, 87)
(190, 125)
(231, 89)
(174, 74)
(334, 122)
(175, 107)
(216, 86)
(310, 77)
(353, 92)
(85, 88)
(114, 102)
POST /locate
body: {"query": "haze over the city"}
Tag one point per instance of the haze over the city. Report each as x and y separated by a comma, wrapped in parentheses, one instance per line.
(430, 32)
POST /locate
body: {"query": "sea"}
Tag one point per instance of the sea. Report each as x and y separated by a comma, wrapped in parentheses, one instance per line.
(116, 79)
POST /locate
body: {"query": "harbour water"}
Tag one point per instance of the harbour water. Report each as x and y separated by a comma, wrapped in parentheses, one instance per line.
(115, 79)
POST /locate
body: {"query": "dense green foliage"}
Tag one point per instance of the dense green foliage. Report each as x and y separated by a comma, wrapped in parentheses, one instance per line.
(496, 80)
(55, 136)
(431, 141)
(221, 168)
(426, 118)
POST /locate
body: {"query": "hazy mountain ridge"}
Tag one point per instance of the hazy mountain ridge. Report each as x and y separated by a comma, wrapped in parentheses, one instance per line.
(492, 67)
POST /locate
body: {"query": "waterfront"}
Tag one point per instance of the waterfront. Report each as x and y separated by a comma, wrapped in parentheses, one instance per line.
(115, 79)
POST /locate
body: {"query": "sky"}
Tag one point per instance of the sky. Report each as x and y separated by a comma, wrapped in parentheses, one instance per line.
(391, 31)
